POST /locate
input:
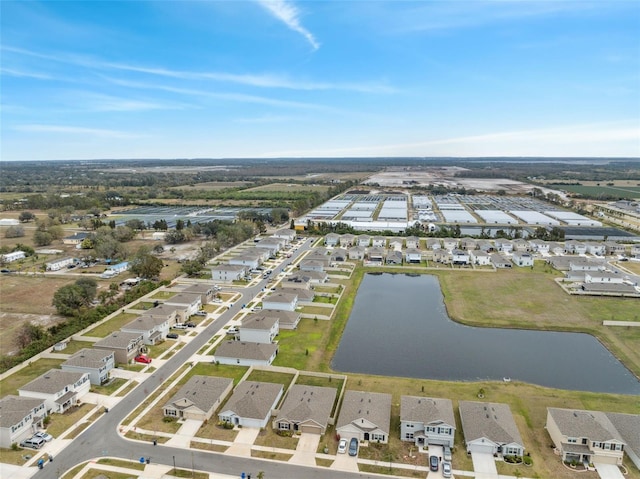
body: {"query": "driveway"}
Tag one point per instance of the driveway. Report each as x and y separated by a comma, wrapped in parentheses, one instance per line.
(306, 449)
(243, 442)
(183, 437)
(484, 465)
(608, 471)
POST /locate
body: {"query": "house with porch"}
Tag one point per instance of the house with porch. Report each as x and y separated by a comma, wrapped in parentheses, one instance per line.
(199, 398)
(227, 273)
(193, 302)
(585, 436)
(125, 346)
(153, 327)
(251, 404)
(306, 409)
(460, 257)
(365, 416)
(628, 426)
(174, 313)
(339, 255)
(20, 418)
(60, 390)
(413, 255)
(58, 264)
(500, 261)
(490, 428)
(242, 353)
(376, 255)
(75, 239)
(95, 362)
(394, 257)
(442, 256)
(427, 421)
(286, 319)
(259, 329)
(379, 242)
(207, 291)
(13, 256)
(281, 300)
(479, 257)
(357, 252)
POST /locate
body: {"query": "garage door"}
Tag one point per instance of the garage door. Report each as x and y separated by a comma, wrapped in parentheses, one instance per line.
(481, 448)
(311, 429)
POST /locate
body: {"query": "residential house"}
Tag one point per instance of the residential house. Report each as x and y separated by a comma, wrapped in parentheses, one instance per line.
(286, 319)
(347, 240)
(305, 296)
(306, 409)
(450, 243)
(635, 251)
(286, 234)
(556, 248)
(585, 436)
(241, 353)
(365, 416)
(394, 257)
(586, 264)
(283, 301)
(468, 244)
(273, 243)
(376, 255)
(319, 265)
(312, 277)
(364, 241)
(207, 291)
(75, 239)
(259, 329)
(539, 246)
(339, 255)
(486, 246)
(442, 256)
(174, 313)
(153, 327)
(520, 244)
(59, 389)
(490, 428)
(297, 281)
(504, 245)
(412, 242)
(193, 302)
(20, 418)
(460, 257)
(521, 258)
(479, 258)
(199, 398)
(575, 247)
(427, 421)
(332, 239)
(357, 252)
(125, 346)
(595, 248)
(628, 426)
(251, 404)
(413, 255)
(500, 261)
(618, 289)
(229, 272)
(433, 244)
(58, 264)
(603, 277)
(250, 260)
(115, 269)
(13, 256)
(395, 244)
(613, 248)
(96, 362)
(263, 254)
(379, 241)
(270, 248)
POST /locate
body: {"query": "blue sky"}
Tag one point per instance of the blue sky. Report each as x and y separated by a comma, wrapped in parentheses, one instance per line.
(165, 79)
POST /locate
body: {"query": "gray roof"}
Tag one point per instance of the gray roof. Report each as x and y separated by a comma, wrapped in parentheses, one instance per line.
(284, 317)
(229, 267)
(281, 298)
(609, 287)
(258, 322)
(493, 421)
(594, 425)
(52, 381)
(308, 275)
(200, 288)
(252, 399)
(314, 262)
(301, 293)
(359, 405)
(165, 309)
(14, 409)
(88, 358)
(426, 410)
(305, 403)
(118, 340)
(201, 392)
(628, 427)
(184, 298)
(246, 350)
(145, 322)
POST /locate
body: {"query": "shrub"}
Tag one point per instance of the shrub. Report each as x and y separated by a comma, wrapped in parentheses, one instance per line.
(527, 460)
(167, 419)
(14, 446)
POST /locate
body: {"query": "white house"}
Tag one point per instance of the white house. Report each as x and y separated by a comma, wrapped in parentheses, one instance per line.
(357, 252)
(450, 243)
(603, 277)
(313, 264)
(118, 268)
(413, 255)
(250, 260)
(347, 240)
(251, 404)
(365, 416)
(287, 234)
(575, 247)
(412, 242)
(58, 264)
(433, 244)
(153, 327)
(259, 329)
(460, 257)
(59, 389)
(96, 362)
(504, 245)
(241, 353)
(19, 418)
(198, 398)
(490, 428)
(286, 319)
(192, 301)
(229, 272)
(595, 248)
(427, 421)
(364, 241)
(379, 241)
(479, 257)
(282, 301)
(539, 246)
(522, 258)
(13, 256)
(332, 239)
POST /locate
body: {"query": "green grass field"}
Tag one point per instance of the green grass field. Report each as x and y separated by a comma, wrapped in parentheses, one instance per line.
(628, 192)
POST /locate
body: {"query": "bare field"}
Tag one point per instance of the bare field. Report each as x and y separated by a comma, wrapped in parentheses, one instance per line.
(289, 187)
(212, 185)
(356, 175)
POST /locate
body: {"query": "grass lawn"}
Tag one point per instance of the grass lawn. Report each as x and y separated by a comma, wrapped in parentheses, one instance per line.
(389, 471)
(144, 305)
(61, 422)
(75, 346)
(319, 310)
(18, 457)
(274, 456)
(154, 419)
(110, 388)
(271, 377)
(122, 463)
(162, 295)
(188, 473)
(268, 437)
(146, 437)
(77, 430)
(323, 462)
(10, 384)
(219, 370)
(296, 348)
(157, 349)
(211, 430)
(325, 299)
(208, 447)
(95, 473)
(126, 390)
(114, 324)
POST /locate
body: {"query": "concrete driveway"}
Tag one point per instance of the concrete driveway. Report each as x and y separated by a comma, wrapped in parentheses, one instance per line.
(484, 465)
(183, 437)
(608, 471)
(306, 449)
(243, 442)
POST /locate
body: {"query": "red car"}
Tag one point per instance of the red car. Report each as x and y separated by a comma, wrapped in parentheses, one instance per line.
(142, 358)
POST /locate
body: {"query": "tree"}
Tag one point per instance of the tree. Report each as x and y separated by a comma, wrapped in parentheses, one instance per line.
(69, 299)
(136, 224)
(145, 265)
(28, 333)
(279, 215)
(26, 216)
(191, 267)
(174, 236)
(14, 232)
(42, 238)
(89, 288)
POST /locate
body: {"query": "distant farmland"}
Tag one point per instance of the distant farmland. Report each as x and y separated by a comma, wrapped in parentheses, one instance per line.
(627, 192)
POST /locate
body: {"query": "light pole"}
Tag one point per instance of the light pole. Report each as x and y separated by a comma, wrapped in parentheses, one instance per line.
(174, 464)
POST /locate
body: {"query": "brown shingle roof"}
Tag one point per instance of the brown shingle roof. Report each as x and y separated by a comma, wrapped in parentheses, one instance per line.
(493, 421)
(201, 392)
(426, 410)
(373, 407)
(305, 403)
(254, 400)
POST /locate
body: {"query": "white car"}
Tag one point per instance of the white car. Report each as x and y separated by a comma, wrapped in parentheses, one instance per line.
(44, 435)
(342, 446)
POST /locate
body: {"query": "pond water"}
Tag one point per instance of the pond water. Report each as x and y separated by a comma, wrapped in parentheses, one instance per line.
(399, 327)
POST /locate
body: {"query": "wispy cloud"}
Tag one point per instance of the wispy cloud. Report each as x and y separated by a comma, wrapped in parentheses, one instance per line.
(99, 102)
(289, 14)
(75, 130)
(24, 74)
(264, 119)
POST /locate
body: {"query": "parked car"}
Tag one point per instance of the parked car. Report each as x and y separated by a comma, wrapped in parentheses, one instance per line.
(142, 358)
(446, 469)
(342, 446)
(33, 443)
(200, 313)
(179, 326)
(353, 447)
(433, 463)
(44, 435)
(190, 324)
(173, 336)
(233, 330)
(447, 453)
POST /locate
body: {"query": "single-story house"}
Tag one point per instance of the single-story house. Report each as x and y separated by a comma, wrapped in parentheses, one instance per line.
(241, 353)
(306, 409)
(192, 301)
(427, 421)
(585, 436)
(479, 257)
(20, 418)
(365, 416)
(413, 255)
(490, 428)
(311, 277)
(207, 291)
(357, 252)
(628, 426)
(198, 398)
(13, 256)
(153, 327)
(59, 389)
(314, 264)
(332, 239)
(613, 288)
(229, 272)
(75, 239)
(125, 346)
(603, 277)
(521, 258)
(379, 241)
(286, 234)
(500, 261)
(251, 404)
(286, 319)
(96, 362)
(259, 329)
(117, 268)
(58, 264)
(283, 301)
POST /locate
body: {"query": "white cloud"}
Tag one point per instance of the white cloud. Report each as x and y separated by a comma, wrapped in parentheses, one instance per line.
(289, 14)
(24, 74)
(75, 130)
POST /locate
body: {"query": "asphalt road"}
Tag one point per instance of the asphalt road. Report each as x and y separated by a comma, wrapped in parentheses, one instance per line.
(102, 438)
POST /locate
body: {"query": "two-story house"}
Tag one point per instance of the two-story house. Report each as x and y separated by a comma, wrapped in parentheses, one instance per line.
(59, 389)
(19, 418)
(427, 421)
(96, 362)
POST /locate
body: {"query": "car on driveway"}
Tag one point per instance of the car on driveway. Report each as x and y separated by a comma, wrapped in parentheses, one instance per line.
(33, 443)
(433, 463)
(179, 326)
(200, 313)
(446, 469)
(446, 453)
(44, 435)
(190, 324)
(173, 336)
(353, 447)
(342, 446)
(142, 358)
